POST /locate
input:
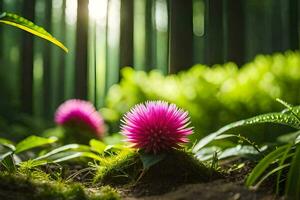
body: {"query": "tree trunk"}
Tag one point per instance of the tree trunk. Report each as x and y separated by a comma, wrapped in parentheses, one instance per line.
(27, 61)
(235, 25)
(150, 36)
(181, 35)
(47, 91)
(62, 62)
(214, 46)
(294, 25)
(126, 33)
(81, 60)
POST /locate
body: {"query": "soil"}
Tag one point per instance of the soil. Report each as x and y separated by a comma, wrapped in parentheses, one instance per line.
(218, 189)
(178, 177)
(176, 169)
(227, 187)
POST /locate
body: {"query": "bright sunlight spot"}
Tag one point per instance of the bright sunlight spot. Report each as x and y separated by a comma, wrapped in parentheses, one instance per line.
(98, 11)
(161, 16)
(71, 11)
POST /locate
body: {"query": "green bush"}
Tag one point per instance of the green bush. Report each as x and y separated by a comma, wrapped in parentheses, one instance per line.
(213, 96)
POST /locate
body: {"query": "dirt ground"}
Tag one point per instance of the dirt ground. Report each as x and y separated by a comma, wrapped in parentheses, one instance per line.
(218, 189)
(228, 187)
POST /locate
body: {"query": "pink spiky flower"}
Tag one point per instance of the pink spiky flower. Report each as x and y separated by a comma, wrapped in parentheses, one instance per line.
(80, 114)
(156, 126)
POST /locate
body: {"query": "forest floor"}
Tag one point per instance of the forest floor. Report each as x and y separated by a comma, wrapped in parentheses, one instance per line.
(174, 178)
(228, 187)
(218, 189)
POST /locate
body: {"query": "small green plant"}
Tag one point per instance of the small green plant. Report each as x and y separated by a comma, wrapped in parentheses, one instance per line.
(14, 155)
(283, 157)
(10, 156)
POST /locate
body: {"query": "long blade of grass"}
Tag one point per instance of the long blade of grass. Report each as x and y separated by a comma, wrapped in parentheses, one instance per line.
(26, 25)
(264, 164)
(293, 182)
(281, 163)
(279, 168)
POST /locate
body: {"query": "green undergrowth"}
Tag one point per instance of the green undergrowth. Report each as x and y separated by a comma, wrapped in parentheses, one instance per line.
(176, 168)
(121, 168)
(214, 95)
(38, 185)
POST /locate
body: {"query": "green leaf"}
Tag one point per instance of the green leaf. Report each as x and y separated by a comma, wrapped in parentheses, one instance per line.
(8, 162)
(297, 140)
(115, 138)
(207, 153)
(206, 140)
(281, 163)
(58, 132)
(294, 109)
(26, 25)
(97, 146)
(32, 142)
(293, 182)
(288, 137)
(3, 156)
(91, 155)
(240, 150)
(149, 160)
(67, 156)
(7, 143)
(273, 171)
(72, 155)
(277, 118)
(114, 147)
(260, 168)
(62, 149)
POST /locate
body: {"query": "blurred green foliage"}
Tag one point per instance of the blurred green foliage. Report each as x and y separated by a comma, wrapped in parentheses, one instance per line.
(213, 96)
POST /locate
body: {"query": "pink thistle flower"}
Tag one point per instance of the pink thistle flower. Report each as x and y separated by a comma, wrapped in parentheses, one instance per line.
(156, 126)
(80, 114)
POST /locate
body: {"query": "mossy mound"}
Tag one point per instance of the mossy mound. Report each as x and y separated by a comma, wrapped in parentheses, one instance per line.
(177, 168)
(121, 169)
(18, 187)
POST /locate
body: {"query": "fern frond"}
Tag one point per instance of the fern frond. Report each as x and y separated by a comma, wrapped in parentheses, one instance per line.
(287, 118)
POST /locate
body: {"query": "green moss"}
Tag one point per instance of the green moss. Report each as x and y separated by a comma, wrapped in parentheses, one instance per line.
(178, 167)
(119, 169)
(19, 187)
